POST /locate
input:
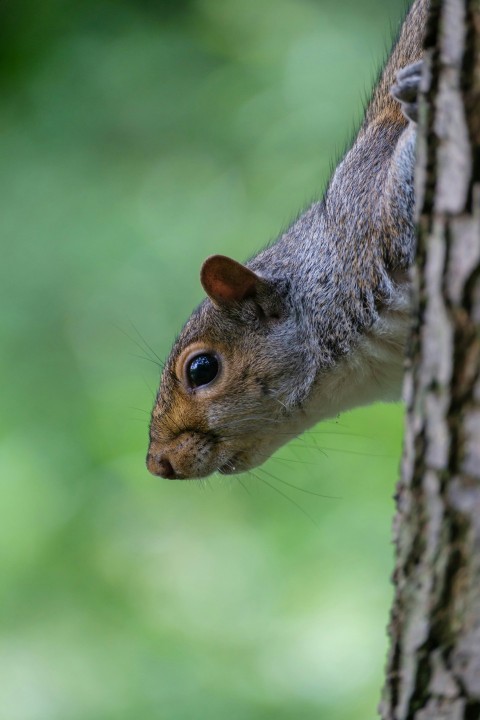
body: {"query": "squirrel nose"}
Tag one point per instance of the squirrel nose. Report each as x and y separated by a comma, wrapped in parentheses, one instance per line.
(161, 465)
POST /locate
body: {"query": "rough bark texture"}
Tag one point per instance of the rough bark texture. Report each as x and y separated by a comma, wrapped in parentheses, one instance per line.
(434, 663)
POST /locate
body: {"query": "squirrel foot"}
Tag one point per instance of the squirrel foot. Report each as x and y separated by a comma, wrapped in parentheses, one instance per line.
(406, 89)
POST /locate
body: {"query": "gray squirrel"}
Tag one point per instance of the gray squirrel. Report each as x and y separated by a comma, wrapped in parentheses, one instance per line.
(316, 323)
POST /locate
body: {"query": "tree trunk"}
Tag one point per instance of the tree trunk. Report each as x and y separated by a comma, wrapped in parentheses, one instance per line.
(434, 662)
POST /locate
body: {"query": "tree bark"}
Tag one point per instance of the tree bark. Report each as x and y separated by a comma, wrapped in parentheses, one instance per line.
(433, 668)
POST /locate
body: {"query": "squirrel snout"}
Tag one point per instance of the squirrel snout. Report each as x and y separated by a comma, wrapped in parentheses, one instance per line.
(159, 464)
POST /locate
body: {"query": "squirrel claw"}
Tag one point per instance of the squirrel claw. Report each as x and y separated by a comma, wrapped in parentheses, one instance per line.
(406, 89)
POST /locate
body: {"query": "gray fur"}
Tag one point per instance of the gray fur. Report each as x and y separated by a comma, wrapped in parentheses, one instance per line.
(339, 283)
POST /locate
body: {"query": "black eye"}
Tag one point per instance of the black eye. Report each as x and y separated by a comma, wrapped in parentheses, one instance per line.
(202, 369)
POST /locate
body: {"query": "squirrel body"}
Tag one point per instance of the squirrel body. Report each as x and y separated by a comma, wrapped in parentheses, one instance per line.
(314, 324)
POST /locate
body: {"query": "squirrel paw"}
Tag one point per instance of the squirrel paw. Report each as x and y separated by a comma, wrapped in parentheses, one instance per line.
(406, 89)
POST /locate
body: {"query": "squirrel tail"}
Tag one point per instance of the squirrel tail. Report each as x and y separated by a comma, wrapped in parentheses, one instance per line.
(407, 49)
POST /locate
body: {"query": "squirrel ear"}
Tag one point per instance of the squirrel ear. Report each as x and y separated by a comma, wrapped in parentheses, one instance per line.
(226, 280)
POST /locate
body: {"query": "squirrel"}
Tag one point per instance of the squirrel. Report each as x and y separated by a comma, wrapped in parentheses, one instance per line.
(314, 324)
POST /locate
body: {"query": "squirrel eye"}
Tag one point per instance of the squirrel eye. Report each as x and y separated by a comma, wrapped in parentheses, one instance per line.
(201, 370)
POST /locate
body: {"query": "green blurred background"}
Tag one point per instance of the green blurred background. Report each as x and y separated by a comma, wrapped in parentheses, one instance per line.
(137, 137)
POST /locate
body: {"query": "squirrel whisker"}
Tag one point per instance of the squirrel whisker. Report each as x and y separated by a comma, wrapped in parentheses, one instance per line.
(283, 494)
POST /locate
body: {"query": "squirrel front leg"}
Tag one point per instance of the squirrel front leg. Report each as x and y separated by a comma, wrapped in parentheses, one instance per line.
(370, 209)
(399, 195)
(406, 88)
(405, 91)
(370, 199)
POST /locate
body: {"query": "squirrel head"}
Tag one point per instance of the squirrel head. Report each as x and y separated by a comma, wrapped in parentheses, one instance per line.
(232, 388)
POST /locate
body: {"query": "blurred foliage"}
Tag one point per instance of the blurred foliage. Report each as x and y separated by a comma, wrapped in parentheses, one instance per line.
(137, 138)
